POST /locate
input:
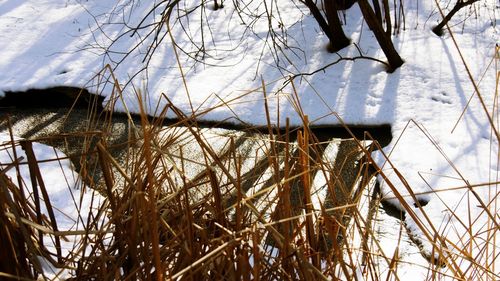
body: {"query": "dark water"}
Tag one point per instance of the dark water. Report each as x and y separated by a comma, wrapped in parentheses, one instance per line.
(69, 97)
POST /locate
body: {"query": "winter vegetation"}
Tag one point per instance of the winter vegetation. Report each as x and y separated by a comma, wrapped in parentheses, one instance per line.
(249, 140)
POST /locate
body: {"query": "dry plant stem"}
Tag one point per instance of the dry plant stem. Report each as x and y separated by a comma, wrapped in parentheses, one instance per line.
(16, 243)
(188, 213)
(335, 226)
(274, 155)
(107, 174)
(109, 184)
(285, 198)
(443, 251)
(273, 162)
(360, 221)
(487, 184)
(192, 246)
(303, 140)
(275, 234)
(302, 216)
(471, 78)
(179, 65)
(211, 255)
(493, 59)
(478, 198)
(37, 182)
(49, 231)
(368, 232)
(151, 191)
(219, 209)
(110, 160)
(14, 152)
(14, 277)
(117, 90)
(438, 29)
(36, 195)
(482, 204)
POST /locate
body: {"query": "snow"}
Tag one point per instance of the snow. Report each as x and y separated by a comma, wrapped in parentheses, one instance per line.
(442, 138)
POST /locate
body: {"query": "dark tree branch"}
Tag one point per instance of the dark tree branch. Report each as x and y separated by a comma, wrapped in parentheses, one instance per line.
(438, 29)
(340, 59)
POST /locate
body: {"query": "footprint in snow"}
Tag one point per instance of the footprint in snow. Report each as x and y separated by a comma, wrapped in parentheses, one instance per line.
(442, 97)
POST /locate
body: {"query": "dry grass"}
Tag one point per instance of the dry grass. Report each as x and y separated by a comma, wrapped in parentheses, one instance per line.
(187, 205)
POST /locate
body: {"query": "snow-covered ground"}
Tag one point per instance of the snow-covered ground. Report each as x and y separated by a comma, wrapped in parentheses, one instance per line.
(443, 139)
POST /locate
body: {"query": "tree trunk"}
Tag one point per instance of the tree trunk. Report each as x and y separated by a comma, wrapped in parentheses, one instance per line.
(339, 40)
(387, 14)
(217, 5)
(319, 18)
(383, 39)
(344, 4)
(438, 29)
(378, 12)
